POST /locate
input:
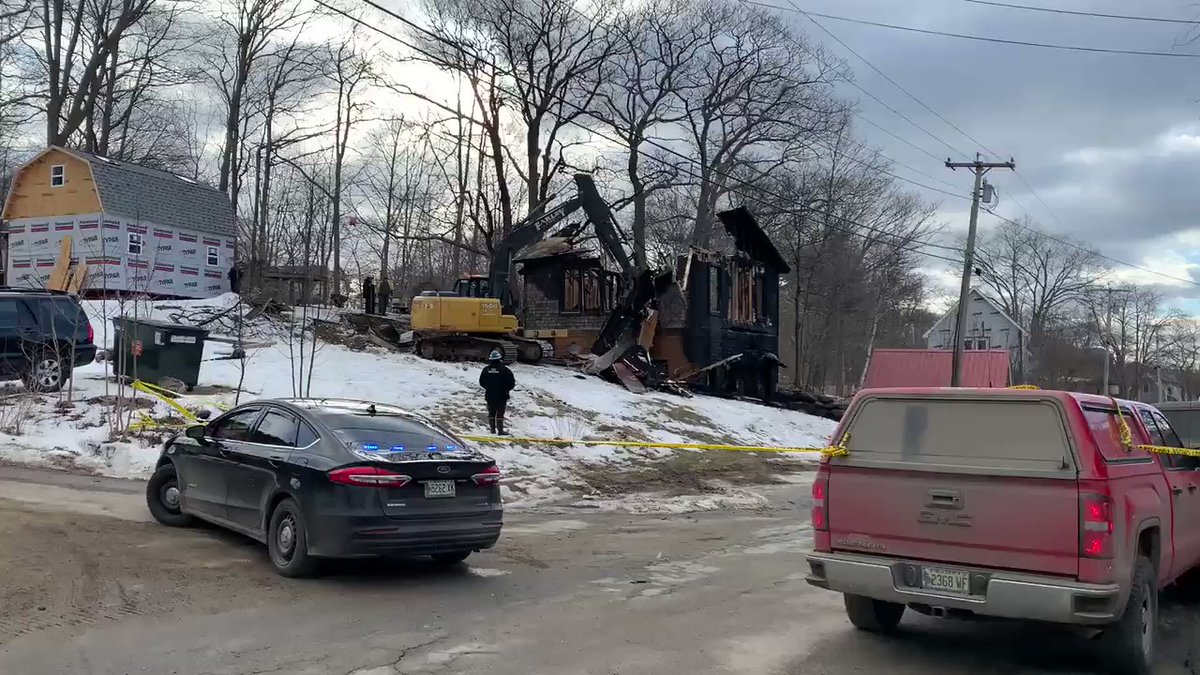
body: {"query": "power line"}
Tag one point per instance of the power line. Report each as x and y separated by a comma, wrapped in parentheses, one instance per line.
(872, 66)
(900, 138)
(1051, 10)
(1078, 247)
(672, 151)
(980, 38)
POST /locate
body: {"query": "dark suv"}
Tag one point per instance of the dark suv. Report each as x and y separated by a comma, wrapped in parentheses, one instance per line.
(44, 335)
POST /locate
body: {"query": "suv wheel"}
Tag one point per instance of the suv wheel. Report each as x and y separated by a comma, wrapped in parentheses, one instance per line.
(1129, 644)
(875, 616)
(47, 373)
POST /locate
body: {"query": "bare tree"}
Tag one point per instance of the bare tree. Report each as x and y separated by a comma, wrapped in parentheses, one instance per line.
(755, 98)
(74, 66)
(639, 94)
(1036, 279)
(349, 73)
(247, 31)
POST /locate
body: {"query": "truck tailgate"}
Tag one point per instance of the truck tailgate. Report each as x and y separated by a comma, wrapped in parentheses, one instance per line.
(1026, 524)
(958, 478)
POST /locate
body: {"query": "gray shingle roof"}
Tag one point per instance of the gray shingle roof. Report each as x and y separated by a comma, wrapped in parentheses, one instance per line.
(141, 193)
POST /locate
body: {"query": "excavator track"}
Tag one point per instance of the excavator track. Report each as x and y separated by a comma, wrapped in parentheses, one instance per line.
(464, 348)
(530, 350)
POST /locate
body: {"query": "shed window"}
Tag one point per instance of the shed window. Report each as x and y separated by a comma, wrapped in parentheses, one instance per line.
(58, 175)
(572, 291)
(587, 290)
(135, 243)
(214, 256)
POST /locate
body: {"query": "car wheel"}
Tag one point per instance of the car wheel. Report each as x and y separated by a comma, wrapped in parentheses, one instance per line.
(448, 559)
(46, 373)
(875, 616)
(287, 541)
(1128, 645)
(164, 498)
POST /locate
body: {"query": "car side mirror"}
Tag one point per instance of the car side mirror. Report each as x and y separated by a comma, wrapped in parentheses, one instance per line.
(197, 432)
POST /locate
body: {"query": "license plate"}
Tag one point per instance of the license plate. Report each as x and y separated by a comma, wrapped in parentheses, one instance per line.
(439, 488)
(951, 581)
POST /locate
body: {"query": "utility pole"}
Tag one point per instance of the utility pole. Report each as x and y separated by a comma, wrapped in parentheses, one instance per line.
(980, 168)
(1108, 293)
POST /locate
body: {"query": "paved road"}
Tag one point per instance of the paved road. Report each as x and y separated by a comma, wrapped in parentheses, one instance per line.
(89, 586)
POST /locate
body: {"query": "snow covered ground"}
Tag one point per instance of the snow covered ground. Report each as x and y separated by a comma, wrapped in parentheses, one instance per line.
(549, 402)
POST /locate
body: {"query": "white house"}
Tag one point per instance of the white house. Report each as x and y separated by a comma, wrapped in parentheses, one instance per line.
(988, 327)
(138, 229)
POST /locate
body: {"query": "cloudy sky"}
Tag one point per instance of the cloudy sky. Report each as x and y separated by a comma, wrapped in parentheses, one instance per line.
(1111, 143)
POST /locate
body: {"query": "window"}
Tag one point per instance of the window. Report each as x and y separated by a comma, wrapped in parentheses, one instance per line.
(981, 345)
(135, 243)
(714, 289)
(1165, 435)
(214, 256)
(1156, 436)
(236, 426)
(9, 316)
(572, 299)
(58, 175)
(1106, 431)
(747, 287)
(276, 428)
(592, 299)
(306, 436)
(587, 290)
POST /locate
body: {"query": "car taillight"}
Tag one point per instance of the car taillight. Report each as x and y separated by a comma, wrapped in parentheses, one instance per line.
(1095, 526)
(368, 476)
(489, 476)
(820, 493)
(91, 333)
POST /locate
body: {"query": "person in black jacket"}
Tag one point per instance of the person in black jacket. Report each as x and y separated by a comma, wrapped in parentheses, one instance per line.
(368, 294)
(497, 381)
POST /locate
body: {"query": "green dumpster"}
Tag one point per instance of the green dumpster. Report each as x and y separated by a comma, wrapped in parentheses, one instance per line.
(152, 351)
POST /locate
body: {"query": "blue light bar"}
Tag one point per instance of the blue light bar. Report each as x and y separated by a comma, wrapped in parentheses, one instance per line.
(432, 448)
(451, 448)
(370, 447)
(397, 448)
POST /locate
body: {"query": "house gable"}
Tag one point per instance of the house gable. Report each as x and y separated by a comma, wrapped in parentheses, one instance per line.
(32, 196)
(946, 321)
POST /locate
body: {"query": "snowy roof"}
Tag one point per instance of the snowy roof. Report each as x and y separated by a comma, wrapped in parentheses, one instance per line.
(140, 193)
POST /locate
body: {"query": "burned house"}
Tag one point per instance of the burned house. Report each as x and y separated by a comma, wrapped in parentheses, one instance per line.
(713, 321)
(731, 313)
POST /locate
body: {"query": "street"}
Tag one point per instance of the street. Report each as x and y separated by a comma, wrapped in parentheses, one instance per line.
(90, 585)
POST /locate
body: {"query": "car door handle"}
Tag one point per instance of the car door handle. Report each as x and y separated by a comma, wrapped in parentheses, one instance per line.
(274, 460)
(1177, 491)
(1192, 488)
(222, 452)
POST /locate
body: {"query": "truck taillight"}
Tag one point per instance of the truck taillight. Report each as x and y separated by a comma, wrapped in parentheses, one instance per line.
(1096, 526)
(820, 494)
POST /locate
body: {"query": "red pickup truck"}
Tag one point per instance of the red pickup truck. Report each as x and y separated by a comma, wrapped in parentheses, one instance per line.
(1003, 503)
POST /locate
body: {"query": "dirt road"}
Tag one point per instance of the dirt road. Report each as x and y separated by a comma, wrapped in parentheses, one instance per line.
(89, 585)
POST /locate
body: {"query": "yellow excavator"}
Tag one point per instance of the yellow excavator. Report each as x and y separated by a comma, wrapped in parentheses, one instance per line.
(479, 315)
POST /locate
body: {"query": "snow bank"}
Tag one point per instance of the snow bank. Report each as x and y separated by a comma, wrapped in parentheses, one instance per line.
(548, 402)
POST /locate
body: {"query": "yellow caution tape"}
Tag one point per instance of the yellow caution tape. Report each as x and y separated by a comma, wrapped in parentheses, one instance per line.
(1025, 387)
(1127, 439)
(166, 396)
(838, 450)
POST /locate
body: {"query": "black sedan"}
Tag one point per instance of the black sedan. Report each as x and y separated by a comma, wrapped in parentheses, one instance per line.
(324, 478)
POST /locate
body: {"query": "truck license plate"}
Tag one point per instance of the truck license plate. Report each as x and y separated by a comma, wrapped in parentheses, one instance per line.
(439, 488)
(952, 581)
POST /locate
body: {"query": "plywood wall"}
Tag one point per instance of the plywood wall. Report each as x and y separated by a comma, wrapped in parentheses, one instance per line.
(32, 196)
